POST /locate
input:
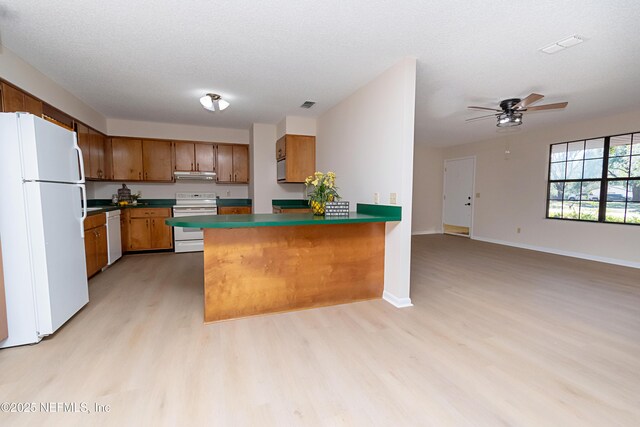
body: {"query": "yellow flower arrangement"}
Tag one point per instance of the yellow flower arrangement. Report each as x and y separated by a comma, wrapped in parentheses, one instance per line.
(324, 190)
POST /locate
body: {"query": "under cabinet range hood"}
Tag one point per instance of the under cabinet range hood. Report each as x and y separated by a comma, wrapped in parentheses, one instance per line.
(194, 176)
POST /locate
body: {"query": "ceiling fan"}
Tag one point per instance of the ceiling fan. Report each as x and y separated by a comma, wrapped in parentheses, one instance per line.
(510, 112)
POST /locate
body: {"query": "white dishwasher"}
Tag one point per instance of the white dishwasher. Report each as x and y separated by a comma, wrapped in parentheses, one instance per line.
(114, 240)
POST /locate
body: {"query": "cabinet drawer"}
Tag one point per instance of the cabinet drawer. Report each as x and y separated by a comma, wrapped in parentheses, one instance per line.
(234, 210)
(150, 212)
(94, 221)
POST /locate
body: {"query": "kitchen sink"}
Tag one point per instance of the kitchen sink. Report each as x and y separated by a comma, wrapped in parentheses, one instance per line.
(93, 209)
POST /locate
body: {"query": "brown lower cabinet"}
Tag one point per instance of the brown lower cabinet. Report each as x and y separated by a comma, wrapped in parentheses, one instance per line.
(146, 230)
(95, 243)
(277, 210)
(234, 210)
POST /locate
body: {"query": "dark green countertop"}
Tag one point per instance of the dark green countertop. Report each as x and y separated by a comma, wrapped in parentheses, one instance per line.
(105, 205)
(365, 213)
(290, 203)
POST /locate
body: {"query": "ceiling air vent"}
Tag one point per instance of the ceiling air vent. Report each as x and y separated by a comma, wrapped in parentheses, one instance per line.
(308, 104)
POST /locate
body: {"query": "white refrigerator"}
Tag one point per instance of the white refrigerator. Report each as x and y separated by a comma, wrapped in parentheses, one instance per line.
(41, 226)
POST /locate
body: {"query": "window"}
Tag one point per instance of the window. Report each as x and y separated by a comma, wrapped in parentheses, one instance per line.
(595, 180)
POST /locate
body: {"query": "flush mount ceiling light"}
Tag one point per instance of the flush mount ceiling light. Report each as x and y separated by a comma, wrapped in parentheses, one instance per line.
(213, 102)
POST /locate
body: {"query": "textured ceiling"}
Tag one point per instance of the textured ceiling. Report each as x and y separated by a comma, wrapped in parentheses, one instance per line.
(151, 60)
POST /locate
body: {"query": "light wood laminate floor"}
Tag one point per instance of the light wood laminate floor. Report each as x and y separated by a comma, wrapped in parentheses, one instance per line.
(497, 336)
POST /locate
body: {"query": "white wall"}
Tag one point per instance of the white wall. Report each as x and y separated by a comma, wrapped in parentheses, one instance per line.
(295, 125)
(369, 145)
(264, 185)
(119, 127)
(513, 192)
(427, 189)
(28, 78)
(104, 190)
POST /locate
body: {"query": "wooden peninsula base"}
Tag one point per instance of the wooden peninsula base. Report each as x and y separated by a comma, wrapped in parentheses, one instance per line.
(258, 270)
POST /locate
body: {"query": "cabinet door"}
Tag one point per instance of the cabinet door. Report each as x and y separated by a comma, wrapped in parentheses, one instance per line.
(32, 105)
(90, 251)
(84, 142)
(157, 160)
(139, 234)
(127, 159)
(234, 210)
(204, 158)
(224, 160)
(301, 157)
(102, 257)
(161, 236)
(185, 156)
(240, 163)
(12, 99)
(96, 160)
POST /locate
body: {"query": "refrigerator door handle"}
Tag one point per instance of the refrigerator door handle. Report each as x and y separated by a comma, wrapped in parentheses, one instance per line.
(80, 159)
(83, 190)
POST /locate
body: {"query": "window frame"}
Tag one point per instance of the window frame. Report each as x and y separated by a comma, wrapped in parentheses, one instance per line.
(603, 179)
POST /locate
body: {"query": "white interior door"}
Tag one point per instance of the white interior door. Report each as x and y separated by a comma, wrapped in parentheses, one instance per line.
(458, 195)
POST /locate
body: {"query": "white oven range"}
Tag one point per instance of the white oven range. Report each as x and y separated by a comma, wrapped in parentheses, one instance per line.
(192, 204)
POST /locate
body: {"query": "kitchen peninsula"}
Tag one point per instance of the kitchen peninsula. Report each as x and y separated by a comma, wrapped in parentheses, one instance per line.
(269, 263)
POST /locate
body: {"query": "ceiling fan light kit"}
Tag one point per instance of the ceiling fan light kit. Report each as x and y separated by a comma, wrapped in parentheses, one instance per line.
(511, 110)
(213, 102)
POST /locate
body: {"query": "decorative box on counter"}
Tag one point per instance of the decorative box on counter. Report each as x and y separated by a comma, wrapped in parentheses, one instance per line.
(340, 208)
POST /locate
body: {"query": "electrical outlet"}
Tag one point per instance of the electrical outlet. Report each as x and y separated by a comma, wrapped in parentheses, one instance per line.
(477, 195)
(228, 193)
(518, 230)
(393, 198)
(376, 198)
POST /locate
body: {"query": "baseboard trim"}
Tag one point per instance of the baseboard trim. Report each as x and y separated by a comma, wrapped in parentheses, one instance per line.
(418, 233)
(395, 301)
(580, 255)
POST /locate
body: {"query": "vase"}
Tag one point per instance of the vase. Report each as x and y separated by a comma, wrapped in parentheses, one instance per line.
(317, 208)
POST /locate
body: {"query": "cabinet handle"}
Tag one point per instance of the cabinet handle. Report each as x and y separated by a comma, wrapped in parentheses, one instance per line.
(147, 221)
(229, 177)
(139, 175)
(235, 176)
(146, 175)
(197, 166)
(191, 166)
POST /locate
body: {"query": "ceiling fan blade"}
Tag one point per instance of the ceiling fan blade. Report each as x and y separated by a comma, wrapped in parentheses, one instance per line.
(548, 106)
(481, 117)
(534, 97)
(483, 108)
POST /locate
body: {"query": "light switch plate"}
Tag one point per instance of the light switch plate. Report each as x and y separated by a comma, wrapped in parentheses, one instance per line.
(393, 198)
(376, 198)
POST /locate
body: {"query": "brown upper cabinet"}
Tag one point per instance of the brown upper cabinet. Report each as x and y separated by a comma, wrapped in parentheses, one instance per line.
(97, 143)
(127, 159)
(15, 100)
(194, 156)
(92, 143)
(296, 155)
(205, 159)
(157, 160)
(232, 161)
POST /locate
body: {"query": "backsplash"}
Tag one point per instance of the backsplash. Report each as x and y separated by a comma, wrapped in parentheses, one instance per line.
(104, 190)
